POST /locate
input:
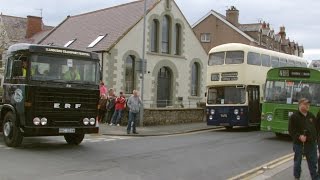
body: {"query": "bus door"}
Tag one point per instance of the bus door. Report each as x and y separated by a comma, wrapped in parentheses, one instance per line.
(254, 110)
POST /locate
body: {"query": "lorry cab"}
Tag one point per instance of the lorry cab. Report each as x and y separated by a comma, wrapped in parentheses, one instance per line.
(49, 91)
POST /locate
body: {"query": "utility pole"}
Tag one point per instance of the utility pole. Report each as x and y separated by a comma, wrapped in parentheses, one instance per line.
(143, 60)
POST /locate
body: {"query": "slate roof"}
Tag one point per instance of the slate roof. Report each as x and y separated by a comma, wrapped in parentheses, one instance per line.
(250, 27)
(16, 27)
(113, 22)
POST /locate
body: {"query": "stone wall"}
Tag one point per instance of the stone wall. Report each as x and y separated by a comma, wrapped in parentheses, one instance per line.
(167, 116)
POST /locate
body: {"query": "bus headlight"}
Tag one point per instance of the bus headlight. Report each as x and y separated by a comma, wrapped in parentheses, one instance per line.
(210, 117)
(269, 117)
(36, 121)
(212, 111)
(86, 121)
(44, 121)
(238, 117)
(236, 111)
(92, 121)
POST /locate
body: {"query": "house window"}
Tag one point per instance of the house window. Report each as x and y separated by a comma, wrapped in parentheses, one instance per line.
(177, 39)
(195, 79)
(155, 36)
(166, 34)
(205, 37)
(129, 76)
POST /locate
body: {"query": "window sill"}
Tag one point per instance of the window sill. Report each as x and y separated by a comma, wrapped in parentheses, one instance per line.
(195, 97)
(166, 55)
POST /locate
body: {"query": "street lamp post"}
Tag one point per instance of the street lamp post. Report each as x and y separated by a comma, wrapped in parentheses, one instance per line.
(143, 60)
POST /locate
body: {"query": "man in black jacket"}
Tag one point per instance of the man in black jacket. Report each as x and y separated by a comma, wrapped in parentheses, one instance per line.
(302, 129)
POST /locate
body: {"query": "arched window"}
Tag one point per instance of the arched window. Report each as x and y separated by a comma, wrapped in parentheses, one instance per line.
(154, 36)
(130, 75)
(177, 39)
(195, 80)
(166, 34)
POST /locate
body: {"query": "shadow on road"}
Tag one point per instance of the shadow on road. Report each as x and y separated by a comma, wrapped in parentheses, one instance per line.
(239, 129)
(43, 144)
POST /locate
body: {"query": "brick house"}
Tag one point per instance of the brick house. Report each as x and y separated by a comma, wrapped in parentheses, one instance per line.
(215, 29)
(176, 62)
(16, 30)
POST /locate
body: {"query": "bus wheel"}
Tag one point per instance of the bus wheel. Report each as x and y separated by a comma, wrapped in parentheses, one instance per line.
(74, 139)
(228, 127)
(11, 133)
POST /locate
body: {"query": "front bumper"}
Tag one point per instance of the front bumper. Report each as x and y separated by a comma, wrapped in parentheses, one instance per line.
(54, 131)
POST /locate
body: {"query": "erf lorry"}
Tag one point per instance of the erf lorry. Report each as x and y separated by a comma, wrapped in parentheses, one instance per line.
(49, 91)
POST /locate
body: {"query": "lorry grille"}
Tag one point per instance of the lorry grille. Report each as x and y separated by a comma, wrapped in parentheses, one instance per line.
(65, 107)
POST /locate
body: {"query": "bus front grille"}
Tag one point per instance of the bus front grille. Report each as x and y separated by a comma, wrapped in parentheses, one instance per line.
(283, 114)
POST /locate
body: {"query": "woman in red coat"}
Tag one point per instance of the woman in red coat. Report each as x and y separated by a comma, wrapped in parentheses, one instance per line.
(119, 108)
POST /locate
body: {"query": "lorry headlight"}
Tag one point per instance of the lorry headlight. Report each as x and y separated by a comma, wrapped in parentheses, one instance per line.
(86, 121)
(236, 111)
(210, 117)
(92, 121)
(238, 117)
(212, 111)
(269, 117)
(44, 121)
(36, 121)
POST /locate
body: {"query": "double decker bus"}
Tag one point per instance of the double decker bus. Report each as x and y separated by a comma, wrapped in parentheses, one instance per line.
(284, 87)
(236, 74)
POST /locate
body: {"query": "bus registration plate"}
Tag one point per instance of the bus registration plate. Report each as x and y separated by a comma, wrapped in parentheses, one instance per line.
(67, 130)
(224, 124)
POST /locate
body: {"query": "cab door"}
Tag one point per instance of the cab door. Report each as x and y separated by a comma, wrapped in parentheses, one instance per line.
(254, 109)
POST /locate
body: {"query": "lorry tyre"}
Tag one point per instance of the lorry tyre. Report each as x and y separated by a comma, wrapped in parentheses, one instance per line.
(74, 139)
(11, 132)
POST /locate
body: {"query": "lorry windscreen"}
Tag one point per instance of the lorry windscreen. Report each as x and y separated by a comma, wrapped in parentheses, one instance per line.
(63, 69)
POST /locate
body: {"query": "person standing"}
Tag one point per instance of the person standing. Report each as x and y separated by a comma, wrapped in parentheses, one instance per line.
(102, 108)
(302, 129)
(103, 88)
(119, 108)
(110, 106)
(134, 103)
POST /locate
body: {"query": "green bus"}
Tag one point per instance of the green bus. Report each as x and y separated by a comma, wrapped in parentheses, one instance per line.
(283, 89)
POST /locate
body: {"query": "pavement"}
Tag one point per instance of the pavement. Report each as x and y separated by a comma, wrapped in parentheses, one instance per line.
(279, 169)
(105, 129)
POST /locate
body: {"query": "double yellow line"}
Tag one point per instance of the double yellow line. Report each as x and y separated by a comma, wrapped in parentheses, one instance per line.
(261, 169)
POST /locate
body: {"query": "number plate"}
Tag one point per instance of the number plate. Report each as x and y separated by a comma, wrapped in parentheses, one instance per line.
(224, 124)
(67, 130)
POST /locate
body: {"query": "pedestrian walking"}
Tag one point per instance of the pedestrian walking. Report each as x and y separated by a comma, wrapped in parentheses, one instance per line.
(302, 129)
(134, 103)
(110, 105)
(119, 108)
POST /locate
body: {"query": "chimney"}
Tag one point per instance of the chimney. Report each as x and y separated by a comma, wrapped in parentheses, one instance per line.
(282, 33)
(264, 25)
(233, 16)
(34, 25)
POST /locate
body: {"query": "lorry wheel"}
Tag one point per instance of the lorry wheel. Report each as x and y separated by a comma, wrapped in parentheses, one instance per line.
(11, 132)
(74, 139)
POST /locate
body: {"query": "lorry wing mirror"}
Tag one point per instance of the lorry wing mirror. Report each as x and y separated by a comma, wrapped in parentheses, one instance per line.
(17, 68)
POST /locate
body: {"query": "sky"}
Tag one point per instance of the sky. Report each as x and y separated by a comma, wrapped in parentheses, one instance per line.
(299, 17)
